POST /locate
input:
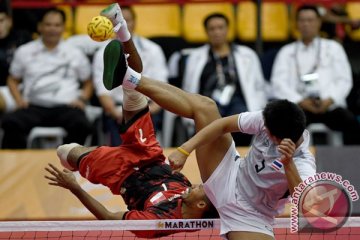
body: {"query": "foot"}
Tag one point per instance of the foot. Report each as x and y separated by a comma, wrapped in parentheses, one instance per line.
(114, 14)
(115, 65)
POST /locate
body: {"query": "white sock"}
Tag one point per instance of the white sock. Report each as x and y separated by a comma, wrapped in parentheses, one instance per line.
(133, 100)
(122, 34)
(131, 79)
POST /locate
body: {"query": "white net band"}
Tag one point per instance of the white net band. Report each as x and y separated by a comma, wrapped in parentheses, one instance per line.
(163, 224)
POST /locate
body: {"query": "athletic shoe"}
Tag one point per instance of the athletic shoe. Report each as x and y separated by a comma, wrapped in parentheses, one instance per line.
(115, 65)
(114, 14)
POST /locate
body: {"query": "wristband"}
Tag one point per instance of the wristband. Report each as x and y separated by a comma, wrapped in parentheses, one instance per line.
(183, 151)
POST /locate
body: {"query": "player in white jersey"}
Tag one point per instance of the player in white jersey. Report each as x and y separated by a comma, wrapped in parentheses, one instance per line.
(246, 192)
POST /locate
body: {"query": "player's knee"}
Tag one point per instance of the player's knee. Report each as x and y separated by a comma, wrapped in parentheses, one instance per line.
(63, 154)
(207, 105)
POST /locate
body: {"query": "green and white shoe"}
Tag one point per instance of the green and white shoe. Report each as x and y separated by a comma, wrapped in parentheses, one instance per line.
(114, 14)
(115, 65)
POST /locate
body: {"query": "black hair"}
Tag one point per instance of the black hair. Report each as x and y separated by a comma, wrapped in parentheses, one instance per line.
(284, 119)
(215, 15)
(54, 10)
(5, 8)
(308, 7)
(130, 9)
(211, 211)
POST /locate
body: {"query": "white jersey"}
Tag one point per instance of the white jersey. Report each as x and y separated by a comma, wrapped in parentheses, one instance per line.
(258, 182)
(153, 60)
(50, 77)
(253, 188)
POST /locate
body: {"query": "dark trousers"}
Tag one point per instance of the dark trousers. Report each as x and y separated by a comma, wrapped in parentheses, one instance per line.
(18, 124)
(339, 119)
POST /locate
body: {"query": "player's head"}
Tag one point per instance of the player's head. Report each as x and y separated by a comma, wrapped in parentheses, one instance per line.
(130, 17)
(5, 21)
(216, 26)
(284, 119)
(197, 200)
(308, 21)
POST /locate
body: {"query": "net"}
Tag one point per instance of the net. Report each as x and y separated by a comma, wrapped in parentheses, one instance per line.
(189, 229)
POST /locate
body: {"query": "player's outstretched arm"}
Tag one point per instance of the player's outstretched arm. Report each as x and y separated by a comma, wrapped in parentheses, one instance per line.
(66, 179)
(206, 135)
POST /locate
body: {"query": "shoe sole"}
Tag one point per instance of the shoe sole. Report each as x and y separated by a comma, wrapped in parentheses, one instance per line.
(113, 60)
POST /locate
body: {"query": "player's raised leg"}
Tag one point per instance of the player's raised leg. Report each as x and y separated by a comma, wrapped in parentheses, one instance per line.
(114, 14)
(202, 109)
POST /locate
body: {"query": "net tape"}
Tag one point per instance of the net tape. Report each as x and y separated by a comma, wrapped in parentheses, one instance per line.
(163, 224)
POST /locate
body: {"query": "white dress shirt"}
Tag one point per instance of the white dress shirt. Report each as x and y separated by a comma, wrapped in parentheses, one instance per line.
(324, 57)
(50, 77)
(248, 69)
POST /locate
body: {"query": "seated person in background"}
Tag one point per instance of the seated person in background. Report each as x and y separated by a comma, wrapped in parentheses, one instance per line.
(315, 73)
(85, 44)
(10, 39)
(51, 73)
(154, 65)
(228, 73)
(136, 169)
(335, 20)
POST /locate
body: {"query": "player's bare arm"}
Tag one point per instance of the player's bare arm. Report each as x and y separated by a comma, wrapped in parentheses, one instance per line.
(13, 85)
(206, 135)
(66, 179)
(287, 149)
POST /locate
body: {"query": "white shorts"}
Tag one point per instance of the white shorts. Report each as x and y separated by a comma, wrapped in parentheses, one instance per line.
(236, 213)
(9, 99)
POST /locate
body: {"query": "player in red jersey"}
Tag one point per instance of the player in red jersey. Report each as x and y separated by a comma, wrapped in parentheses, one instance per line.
(136, 170)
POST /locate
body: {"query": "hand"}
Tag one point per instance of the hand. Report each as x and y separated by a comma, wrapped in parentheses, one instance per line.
(177, 160)
(287, 149)
(310, 105)
(117, 116)
(78, 104)
(65, 178)
(22, 104)
(325, 104)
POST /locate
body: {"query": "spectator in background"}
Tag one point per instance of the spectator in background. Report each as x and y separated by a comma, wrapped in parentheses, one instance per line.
(10, 39)
(50, 72)
(335, 20)
(315, 73)
(228, 73)
(154, 66)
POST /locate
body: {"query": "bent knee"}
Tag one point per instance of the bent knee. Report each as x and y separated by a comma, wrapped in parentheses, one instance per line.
(207, 107)
(207, 103)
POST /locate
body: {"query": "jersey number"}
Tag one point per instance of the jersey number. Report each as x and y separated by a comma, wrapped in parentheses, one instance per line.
(142, 139)
(257, 168)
